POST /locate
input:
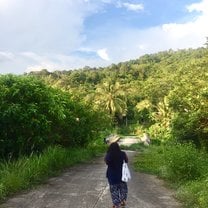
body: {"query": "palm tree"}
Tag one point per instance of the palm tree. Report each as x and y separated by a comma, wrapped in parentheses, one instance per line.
(160, 113)
(111, 96)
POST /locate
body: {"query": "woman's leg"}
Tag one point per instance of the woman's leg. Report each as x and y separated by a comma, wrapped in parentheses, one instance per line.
(115, 194)
(123, 191)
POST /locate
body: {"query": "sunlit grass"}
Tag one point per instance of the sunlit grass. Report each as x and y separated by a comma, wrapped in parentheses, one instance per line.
(184, 166)
(28, 171)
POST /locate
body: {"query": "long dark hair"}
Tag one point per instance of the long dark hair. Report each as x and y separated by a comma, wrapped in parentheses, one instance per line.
(114, 151)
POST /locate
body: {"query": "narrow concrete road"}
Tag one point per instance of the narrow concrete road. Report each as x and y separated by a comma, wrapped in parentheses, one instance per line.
(85, 186)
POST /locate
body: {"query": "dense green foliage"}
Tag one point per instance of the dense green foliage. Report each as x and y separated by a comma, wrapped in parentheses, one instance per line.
(34, 116)
(165, 93)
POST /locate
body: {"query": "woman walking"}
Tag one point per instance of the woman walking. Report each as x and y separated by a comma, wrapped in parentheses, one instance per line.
(114, 159)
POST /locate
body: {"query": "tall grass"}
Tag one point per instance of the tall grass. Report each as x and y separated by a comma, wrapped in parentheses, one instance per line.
(184, 166)
(28, 171)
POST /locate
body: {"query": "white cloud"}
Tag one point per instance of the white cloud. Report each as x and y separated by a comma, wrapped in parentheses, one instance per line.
(132, 43)
(44, 65)
(107, 1)
(32, 56)
(103, 54)
(201, 7)
(133, 7)
(85, 49)
(48, 34)
(6, 56)
(64, 62)
(4, 5)
(42, 26)
(141, 46)
(191, 33)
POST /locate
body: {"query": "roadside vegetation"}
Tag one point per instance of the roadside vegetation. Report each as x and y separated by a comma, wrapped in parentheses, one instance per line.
(43, 131)
(183, 166)
(164, 95)
(28, 171)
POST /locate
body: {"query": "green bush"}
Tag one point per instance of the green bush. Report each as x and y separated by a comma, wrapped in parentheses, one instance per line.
(159, 132)
(183, 166)
(188, 103)
(179, 163)
(184, 162)
(186, 127)
(34, 116)
(194, 194)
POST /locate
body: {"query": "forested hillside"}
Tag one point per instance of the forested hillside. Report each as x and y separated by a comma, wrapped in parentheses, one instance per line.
(51, 120)
(164, 94)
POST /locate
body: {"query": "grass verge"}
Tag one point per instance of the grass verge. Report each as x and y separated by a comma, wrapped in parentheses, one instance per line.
(29, 171)
(183, 166)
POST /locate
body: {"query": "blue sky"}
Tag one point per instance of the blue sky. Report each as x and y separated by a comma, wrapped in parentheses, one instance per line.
(69, 34)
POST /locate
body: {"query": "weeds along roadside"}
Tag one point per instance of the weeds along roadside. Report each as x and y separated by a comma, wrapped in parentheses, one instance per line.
(29, 171)
(183, 166)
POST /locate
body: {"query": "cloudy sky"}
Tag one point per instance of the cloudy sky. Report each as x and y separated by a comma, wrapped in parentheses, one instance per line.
(68, 34)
